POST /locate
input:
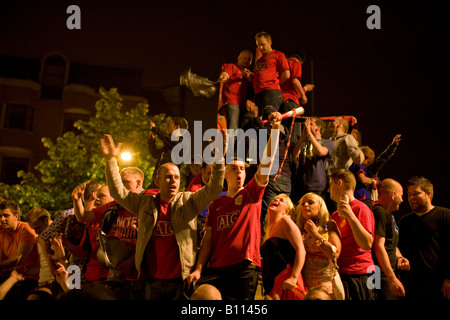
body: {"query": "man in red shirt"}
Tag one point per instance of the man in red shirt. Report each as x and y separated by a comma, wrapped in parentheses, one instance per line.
(293, 93)
(18, 250)
(167, 237)
(235, 78)
(356, 224)
(270, 72)
(125, 228)
(233, 229)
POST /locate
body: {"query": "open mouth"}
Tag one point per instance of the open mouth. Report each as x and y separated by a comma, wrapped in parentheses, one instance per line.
(274, 203)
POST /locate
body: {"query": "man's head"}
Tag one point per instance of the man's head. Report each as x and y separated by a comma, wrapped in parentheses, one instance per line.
(317, 127)
(390, 194)
(245, 58)
(206, 292)
(168, 181)
(299, 55)
(9, 214)
(342, 181)
(206, 172)
(369, 156)
(90, 194)
(38, 219)
(340, 125)
(177, 123)
(235, 174)
(132, 179)
(420, 194)
(103, 197)
(264, 42)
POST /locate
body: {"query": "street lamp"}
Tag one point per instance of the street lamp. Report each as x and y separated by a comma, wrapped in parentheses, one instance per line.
(126, 156)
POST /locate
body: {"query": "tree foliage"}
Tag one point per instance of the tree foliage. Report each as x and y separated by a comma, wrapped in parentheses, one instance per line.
(76, 158)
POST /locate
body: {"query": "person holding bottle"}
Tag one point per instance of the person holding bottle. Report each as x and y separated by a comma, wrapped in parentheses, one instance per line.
(356, 224)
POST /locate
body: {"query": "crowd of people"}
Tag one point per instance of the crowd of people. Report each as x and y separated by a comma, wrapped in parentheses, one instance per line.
(318, 225)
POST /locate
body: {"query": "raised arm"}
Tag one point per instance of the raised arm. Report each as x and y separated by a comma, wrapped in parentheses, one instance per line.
(270, 152)
(80, 213)
(128, 200)
(203, 197)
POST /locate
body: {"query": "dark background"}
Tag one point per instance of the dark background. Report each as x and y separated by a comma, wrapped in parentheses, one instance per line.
(393, 80)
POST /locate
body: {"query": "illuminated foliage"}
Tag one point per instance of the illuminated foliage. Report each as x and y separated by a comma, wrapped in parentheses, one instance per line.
(76, 158)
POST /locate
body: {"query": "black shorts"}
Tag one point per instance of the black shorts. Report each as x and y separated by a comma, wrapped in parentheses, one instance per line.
(236, 282)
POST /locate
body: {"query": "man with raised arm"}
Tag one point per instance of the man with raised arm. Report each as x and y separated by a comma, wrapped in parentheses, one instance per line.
(229, 257)
(167, 237)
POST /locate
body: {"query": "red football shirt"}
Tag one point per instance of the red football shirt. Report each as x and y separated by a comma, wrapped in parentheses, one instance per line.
(162, 253)
(236, 227)
(235, 89)
(267, 70)
(95, 272)
(353, 259)
(287, 88)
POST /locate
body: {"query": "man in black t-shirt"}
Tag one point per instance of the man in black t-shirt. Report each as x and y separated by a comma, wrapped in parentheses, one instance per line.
(385, 251)
(425, 241)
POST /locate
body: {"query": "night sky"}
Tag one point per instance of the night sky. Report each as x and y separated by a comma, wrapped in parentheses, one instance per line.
(393, 80)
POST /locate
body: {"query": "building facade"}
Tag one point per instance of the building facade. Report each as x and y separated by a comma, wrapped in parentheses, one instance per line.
(44, 97)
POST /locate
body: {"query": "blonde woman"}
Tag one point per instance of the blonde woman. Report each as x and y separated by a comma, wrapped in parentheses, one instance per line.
(282, 245)
(322, 241)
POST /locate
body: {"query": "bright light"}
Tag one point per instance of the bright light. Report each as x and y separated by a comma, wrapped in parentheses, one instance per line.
(126, 156)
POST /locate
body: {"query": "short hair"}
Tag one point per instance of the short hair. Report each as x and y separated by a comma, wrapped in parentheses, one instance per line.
(344, 122)
(164, 165)
(347, 177)
(134, 171)
(246, 51)
(298, 54)
(231, 160)
(37, 213)
(11, 205)
(424, 183)
(180, 121)
(91, 187)
(320, 123)
(369, 154)
(263, 34)
(388, 185)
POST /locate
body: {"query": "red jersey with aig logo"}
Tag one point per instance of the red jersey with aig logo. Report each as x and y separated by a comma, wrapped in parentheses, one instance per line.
(162, 254)
(236, 227)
